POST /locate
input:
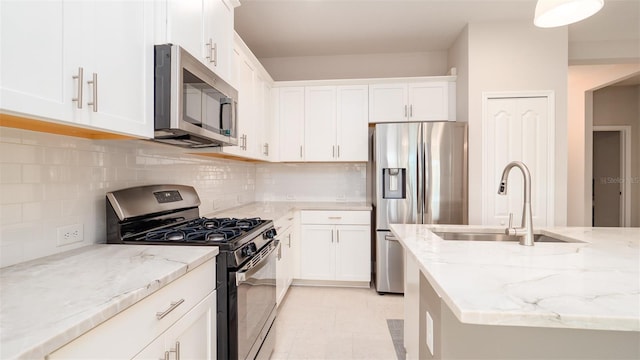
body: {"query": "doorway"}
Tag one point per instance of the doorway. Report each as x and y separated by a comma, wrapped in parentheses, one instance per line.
(609, 190)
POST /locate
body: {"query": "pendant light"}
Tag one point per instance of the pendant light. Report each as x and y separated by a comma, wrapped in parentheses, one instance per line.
(552, 13)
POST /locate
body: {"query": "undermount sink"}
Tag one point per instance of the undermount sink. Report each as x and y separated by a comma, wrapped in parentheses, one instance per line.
(471, 236)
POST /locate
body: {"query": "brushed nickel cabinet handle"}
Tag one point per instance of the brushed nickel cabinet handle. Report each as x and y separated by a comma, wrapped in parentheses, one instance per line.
(332, 236)
(176, 350)
(80, 81)
(94, 82)
(335, 217)
(411, 110)
(173, 306)
(338, 236)
(338, 151)
(333, 151)
(300, 151)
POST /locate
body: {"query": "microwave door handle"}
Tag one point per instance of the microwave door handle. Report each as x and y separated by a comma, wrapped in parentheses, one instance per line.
(221, 115)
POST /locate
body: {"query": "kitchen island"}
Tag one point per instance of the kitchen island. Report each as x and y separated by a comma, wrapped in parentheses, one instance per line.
(490, 299)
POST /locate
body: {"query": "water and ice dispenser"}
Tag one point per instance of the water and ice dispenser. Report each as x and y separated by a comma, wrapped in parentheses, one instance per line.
(393, 183)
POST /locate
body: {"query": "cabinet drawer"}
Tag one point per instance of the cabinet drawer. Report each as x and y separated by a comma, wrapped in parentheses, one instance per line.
(335, 217)
(284, 223)
(125, 334)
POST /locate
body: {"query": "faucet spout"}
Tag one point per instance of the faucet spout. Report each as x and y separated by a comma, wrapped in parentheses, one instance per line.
(526, 230)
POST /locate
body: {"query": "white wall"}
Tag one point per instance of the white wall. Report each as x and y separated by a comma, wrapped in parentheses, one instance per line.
(458, 57)
(583, 80)
(311, 182)
(620, 105)
(512, 57)
(357, 66)
(48, 181)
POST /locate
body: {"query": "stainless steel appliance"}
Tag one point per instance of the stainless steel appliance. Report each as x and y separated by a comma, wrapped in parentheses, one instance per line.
(193, 107)
(245, 267)
(420, 177)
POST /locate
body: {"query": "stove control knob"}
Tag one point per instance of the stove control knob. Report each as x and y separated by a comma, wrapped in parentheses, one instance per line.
(270, 234)
(249, 250)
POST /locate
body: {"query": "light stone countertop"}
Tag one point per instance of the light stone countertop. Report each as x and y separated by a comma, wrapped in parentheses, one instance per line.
(594, 284)
(274, 210)
(47, 302)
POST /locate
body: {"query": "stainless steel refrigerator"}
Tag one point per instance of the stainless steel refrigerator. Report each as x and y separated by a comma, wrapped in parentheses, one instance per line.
(419, 177)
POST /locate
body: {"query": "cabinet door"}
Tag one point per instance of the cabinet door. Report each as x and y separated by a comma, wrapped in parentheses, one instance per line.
(218, 37)
(36, 73)
(193, 336)
(388, 103)
(429, 101)
(317, 252)
(196, 331)
(320, 123)
(122, 58)
(291, 123)
(353, 253)
(352, 129)
(185, 24)
(283, 266)
(247, 143)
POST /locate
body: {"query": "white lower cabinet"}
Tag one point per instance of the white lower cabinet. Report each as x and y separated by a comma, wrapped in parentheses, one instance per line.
(183, 312)
(191, 337)
(284, 266)
(335, 246)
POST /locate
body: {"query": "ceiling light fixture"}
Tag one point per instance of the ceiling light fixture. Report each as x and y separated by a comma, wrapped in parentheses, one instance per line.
(552, 13)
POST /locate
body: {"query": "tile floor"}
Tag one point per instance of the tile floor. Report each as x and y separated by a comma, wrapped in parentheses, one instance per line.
(336, 323)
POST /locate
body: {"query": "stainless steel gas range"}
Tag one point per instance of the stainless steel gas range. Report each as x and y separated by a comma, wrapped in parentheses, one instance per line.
(245, 270)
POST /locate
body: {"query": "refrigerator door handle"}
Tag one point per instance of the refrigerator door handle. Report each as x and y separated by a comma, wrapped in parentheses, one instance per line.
(420, 172)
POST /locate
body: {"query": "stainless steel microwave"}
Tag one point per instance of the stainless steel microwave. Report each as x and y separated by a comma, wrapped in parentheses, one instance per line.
(193, 107)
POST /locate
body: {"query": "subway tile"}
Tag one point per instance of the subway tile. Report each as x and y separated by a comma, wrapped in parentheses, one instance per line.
(10, 214)
(20, 154)
(10, 173)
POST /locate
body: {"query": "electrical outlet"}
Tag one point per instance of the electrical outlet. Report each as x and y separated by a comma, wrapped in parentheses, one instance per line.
(290, 197)
(429, 333)
(70, 234)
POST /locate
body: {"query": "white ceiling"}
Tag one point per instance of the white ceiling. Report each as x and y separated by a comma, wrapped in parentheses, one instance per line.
(285, 28)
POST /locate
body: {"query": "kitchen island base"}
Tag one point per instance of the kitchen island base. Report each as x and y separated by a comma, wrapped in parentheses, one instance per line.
(453, 339)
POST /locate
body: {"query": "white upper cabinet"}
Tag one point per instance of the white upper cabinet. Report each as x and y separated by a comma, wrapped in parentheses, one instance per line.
(66, 61)
(33, 60)
(320, 123)
(254, 106)
(352, 131)
(333, 120)
(419, 101)
(203, 27)
(291, 123)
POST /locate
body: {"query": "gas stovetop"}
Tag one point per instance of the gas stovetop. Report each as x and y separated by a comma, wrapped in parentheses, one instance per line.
(168, 215)
(225, 232)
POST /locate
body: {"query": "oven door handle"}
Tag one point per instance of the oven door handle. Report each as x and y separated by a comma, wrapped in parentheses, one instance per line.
(245, 273)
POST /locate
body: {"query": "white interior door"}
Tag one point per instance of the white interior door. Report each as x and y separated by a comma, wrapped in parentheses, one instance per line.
(518, 128)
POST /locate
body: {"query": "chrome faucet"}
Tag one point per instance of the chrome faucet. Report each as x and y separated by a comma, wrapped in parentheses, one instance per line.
(525, 232)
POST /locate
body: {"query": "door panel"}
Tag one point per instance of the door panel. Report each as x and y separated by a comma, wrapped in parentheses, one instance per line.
(353, 253)
(445, 168)
(516, 129)
(396, 148)
(317, 252)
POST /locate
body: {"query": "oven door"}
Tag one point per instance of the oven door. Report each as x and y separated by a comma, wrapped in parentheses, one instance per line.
(256, 301)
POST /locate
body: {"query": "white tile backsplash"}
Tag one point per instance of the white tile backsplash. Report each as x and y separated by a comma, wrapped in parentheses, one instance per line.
(48, 181)
(311, 182)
